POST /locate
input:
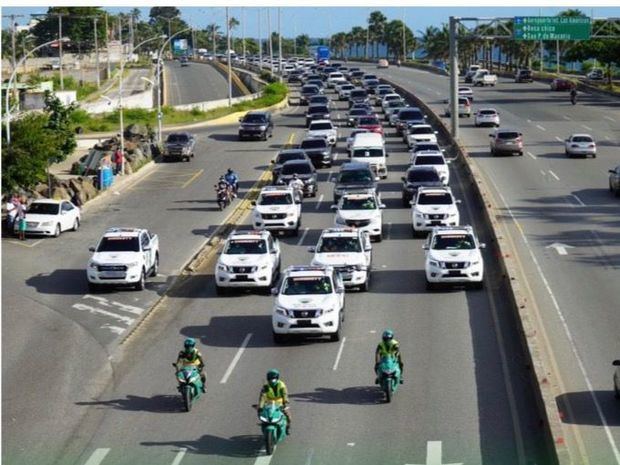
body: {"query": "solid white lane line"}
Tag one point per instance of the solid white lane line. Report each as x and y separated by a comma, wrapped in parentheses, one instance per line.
(559, 139)
(540, 127)
(179, 456)
(567, 331)
(566, 118)
(263, 459)
(609, 118)
(532, 155)
(339, 354)
(578, 200)
(97, 457)
(318, 202)
(554, 175)
(586, 127)
(303, 236)
(235, 360)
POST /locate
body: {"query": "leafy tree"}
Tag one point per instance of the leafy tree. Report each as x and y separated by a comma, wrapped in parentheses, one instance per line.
(376, 23)
(163, 12)
(303, 42)
(394, 38)
(59, 121)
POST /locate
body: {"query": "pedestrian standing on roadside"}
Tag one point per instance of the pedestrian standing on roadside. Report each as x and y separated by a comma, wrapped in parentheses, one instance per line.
(11, 214)
(75, 200)
(21, 217)
(118, 161)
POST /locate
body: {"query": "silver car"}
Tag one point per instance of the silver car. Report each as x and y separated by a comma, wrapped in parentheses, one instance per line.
(487, 117)
(616, 363)
(614, 181)
(580, 144)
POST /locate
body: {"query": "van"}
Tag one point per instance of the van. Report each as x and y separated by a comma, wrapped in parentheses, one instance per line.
(369, 147)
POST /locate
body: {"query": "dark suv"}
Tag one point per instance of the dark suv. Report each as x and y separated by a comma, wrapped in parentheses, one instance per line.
(304, 171)
(256, 124)
(354, 176)
(317, 112)
(358, 96)
(284, 156)
(416, 177)
(306, 92)
(524, 75)
(318, 150)
(407, 117)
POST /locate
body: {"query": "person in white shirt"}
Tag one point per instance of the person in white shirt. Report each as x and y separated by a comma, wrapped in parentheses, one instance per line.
(11, 214)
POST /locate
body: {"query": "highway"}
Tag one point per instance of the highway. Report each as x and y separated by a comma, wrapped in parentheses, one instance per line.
(198, 82)
(466, 392)
(565, 226)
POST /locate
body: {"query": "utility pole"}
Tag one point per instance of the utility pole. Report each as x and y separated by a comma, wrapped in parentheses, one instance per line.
(367, 41)
(193, 42)
(260, 43)
(107, 47)
(279, 48)
(170, 32)
(229, 63)
(294, 36)
(557, 56)
(243, 31)
(62, 81)
(404, 39)
(13, 31)
(454, 99)
(97, 51)
(270, 37)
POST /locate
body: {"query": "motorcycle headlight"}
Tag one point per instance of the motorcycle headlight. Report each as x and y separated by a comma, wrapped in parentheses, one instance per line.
(263, 419)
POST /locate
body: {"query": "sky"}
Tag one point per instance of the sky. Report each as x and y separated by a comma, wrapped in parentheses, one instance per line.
(324, 21)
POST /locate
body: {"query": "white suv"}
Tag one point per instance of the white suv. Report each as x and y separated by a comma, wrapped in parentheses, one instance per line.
(433, 206)
(453, 256)
(309, 301)
(421, 133)
(362, 210)
(435, 159)
(277, 208)
(323, 128)
(248, 259)
(349, 251)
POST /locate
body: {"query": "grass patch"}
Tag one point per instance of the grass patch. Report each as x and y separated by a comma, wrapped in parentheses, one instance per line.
(105, 122)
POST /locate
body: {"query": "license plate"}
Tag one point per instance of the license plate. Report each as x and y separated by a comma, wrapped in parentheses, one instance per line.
(435, 223)
(304, 322)
(241, 276)
(454, 273)
(114, 274)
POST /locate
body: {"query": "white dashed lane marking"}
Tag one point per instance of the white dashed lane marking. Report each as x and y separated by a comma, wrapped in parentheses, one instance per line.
(532, 155)
(540, 127)
(554, 175)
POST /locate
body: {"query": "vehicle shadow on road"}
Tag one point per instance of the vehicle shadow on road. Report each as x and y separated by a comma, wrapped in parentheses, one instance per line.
(583, 411)
(161, 403)
(397, 281)
(220, 328)
(225, 137)
(62, 282)
(236, 446)
(356, 395)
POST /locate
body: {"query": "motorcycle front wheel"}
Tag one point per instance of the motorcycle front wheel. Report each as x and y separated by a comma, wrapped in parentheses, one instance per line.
(389, 391)
(187, 397)
(269, 442)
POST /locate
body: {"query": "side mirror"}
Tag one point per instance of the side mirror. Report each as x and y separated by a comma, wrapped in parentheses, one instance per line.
(312, 249)
(411, 202)
(334, 207)
(491, 135)
(402, 178)
(253, 203)
(448, 162)
(425, 247)
(340, 290)
(273, 161)
(482, 245)
(457, 201)
(382, 206)
(240, 120)
(91, 249)
(368, 248)
(611, 171)
(146, 248)
(274, 291)
(377, 178)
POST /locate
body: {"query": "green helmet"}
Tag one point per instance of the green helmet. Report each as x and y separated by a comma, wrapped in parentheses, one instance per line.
(273, 376)
(189, 344)
(388, 335)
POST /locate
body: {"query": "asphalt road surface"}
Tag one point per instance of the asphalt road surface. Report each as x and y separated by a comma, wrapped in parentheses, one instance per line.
(568, 236)
(466, 393)
(198, 82)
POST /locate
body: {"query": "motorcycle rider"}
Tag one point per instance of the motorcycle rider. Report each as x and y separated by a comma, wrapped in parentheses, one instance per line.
(388, 346)
(297, 185)
(275, 391)
(190, 355)
(573, 96)
(232, 178)
(224, 187)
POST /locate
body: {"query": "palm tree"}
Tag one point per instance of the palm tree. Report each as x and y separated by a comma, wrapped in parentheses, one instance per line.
(376, 23)
(213, 32)
(232, 24)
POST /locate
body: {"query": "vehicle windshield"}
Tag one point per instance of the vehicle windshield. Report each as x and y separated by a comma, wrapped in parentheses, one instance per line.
(303, 285)
(453, 242)
(425, 175)
(177, 138)
(339, 244)
(309, 89)
(370, 120)
(358, 112)
(582, 139)
(410, 115)
(119, 244)
(439, 198)
(487, 112)
(372, 82)
(314, 143)
(276, 199)
(255, 119)
(394, 102)
(370, 77)
(363, 153)
(424, 130)
(41, 208)
(358, 203)
(299, 168)
(347, 87)
(429, 160)
(423, 147)
(246, 247)
(358, 93)
(507, 135)
(359, 176)
(320, 126)
(318, 109)
(319, 100)
(284, 157)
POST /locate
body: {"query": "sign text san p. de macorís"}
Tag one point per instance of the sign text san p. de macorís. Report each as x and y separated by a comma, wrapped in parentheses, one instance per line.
(552, 27)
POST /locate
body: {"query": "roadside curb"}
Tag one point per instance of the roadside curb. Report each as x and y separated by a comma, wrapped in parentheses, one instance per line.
(542, 378)
(223, 69)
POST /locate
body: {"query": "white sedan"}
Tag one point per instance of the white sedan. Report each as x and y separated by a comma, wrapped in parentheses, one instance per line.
(580, 144)
(466, 92)
(487, 117)
(51, 217)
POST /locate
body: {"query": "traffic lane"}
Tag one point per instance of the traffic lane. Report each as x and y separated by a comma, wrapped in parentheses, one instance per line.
(62, 291)
(239, 442)
(195, 83)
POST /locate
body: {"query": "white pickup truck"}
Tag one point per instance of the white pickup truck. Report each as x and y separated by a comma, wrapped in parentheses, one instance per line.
(323, 128)
(123, 257)
(484, 78)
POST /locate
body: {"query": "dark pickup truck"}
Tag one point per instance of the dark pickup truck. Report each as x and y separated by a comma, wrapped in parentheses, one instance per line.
(180, 146)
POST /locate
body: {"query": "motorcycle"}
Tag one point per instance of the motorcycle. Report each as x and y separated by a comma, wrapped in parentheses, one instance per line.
(190, 384)
(234, 183)
(573, 99)
(223, 197)
(273, 425)
(388, 372)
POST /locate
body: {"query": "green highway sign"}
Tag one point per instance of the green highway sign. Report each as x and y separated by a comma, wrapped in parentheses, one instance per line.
(552, 28)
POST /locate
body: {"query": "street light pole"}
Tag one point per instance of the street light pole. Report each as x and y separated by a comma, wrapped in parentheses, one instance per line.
(454, 99)
(120, 97)
(279, 49)
(228, 59)
(260, 43)
(7, 112)
(62, 81)
(97, 53)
